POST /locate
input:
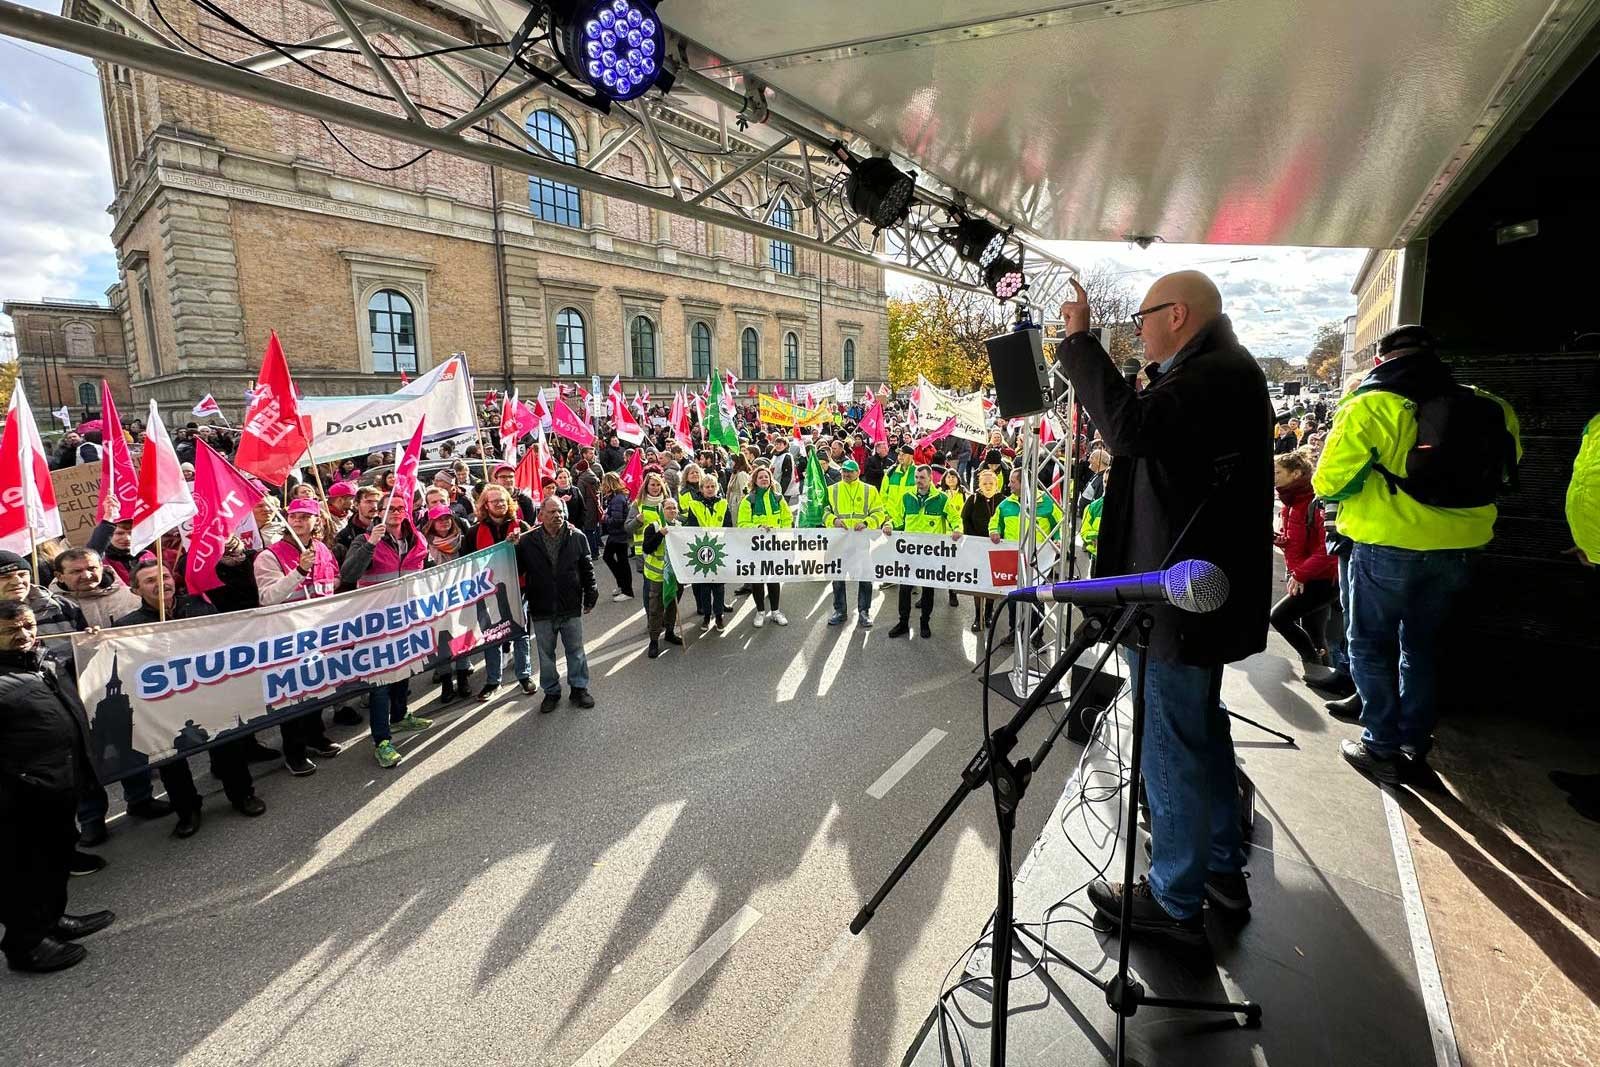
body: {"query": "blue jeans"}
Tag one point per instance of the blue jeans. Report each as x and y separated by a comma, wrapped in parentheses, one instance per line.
(1399, 599)
(710, 599)
(494, 660)
(1191, 782)
(570, 630)
(387, 703)
(1338, 649)
(863, 597)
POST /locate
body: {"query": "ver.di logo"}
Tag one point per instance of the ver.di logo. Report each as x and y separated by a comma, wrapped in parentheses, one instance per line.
(707, 554)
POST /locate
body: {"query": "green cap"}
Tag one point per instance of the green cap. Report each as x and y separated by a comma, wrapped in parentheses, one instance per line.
(850, 465)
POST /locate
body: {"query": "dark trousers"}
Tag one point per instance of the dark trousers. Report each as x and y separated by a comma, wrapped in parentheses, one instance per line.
(765, 594)
(37, 840)
(228, 766)
(924, 604)
(300, 732)
(708, 599)
(94, 804)
(616, 557)
(1302, 617)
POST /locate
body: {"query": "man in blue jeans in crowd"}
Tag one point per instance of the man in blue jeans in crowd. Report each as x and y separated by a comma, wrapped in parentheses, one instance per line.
(1417, 506)
(558, 580)
(1193, 452)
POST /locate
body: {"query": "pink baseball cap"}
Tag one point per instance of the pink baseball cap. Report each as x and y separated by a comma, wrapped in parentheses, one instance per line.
(439, 511)
(305, 506)
(498, 467)
(341, 489)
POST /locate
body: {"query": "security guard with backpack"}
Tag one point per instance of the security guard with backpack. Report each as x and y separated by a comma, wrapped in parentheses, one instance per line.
(1415, 461)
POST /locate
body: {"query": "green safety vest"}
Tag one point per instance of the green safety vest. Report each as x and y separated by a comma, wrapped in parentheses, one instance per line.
(655, 562)
(929, 514)
(712, 516)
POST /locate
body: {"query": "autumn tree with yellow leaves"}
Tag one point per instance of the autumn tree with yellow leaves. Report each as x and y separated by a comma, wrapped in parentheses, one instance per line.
(938, 332)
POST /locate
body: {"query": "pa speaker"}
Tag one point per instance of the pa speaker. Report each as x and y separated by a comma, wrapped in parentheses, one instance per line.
(1021, 376)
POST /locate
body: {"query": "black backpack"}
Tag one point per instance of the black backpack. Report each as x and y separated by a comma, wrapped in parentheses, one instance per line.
(1464, 455)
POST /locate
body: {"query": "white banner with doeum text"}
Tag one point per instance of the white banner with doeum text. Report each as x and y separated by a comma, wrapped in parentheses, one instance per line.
(168, 689)
(972, 564)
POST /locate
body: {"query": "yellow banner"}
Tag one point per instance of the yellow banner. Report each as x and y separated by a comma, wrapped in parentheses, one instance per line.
(782, 413)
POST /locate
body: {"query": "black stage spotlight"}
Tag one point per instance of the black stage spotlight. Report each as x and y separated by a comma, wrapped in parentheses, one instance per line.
(976, 240)
(1004, 277)
(615, 46)
(876, 189)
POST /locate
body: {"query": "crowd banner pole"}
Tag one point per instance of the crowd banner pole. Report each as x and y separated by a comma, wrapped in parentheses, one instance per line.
(161, 583)
(477, 421)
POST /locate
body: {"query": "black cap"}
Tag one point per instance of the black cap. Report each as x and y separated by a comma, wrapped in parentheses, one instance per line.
(1405, 338)
(907, 450)
(10, 561)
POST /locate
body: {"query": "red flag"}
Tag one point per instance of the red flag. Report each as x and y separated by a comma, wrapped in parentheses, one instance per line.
(118, 480)
(490, 397)
(678, 420)
(403, 379)
(564, 422)
(752, 391)
(206, 406)
(872, 423)
(1047, 429)
(633, 473)
(536, 466)
(273, 436)
(508, 418)
(405, 474)
(623, 424)
(780, 392)
(28, 512)
(164, 499)
(223, 499)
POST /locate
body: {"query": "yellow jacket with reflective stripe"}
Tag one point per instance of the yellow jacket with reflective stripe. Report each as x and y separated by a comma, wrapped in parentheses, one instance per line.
(1583, 495)
(853, 502)
(934, 513)
(765, 508)
(1007, 518)
(897, 483)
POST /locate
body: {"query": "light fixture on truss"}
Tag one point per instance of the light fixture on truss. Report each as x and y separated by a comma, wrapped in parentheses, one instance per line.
(981, 242)
(616, 47)
(877, 190)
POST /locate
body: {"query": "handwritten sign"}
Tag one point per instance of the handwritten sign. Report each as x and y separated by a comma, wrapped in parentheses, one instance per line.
(77, 491)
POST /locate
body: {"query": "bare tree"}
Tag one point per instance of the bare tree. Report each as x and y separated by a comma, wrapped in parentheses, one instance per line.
(1112, 302)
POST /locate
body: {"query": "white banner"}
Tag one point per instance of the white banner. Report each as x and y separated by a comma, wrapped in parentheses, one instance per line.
(846, 393)
(935, 405)
(972, 564)
(344, 426)
(162, 689)
(817, 392)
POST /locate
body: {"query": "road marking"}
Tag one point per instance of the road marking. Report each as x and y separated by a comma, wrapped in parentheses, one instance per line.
(903, 765)
(1445, 1051)
(621, 1037)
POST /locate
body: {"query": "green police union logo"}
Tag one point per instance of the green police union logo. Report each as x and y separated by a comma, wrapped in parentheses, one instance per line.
(707, 554)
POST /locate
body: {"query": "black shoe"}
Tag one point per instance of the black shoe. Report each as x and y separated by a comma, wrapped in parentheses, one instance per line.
(672, 638)
(1346, 710)
(582, 698)
(48, 955)
(324, 748)
(299, 766)
(487, 693)
(1147, 915)
(743, 590)
(73, 927)
(255, 752)
(345, 715)
(86, 863)
(188, 824)
(1385, 769)
(550, 702)
(976, 626)
(1230, 892)
(463, 684)
(655, 650)
(250, 807)
(93, 835)
(150, 809)
(954, 602)
(447, 690)
(925, 632)
(899, 629)
(718, 624)
(528, 687)
(1335, 683)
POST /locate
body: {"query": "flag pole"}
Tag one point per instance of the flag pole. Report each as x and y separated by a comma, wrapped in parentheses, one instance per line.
(161, 584)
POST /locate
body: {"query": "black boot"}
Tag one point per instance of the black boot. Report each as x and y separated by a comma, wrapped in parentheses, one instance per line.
(447, 689)
(900, 629)
(464, 684)
(1346, 710)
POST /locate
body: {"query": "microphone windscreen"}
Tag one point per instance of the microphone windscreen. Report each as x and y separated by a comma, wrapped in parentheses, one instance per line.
(1195, 585)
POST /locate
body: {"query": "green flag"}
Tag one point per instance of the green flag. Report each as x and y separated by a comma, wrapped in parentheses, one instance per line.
(669, 581)
(816, 499)
(719, 427)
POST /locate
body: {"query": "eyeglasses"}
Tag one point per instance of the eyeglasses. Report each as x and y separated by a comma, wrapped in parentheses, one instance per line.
(1138, 316)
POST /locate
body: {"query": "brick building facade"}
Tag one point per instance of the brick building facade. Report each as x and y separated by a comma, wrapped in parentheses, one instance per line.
(233, 219)
(64, 349)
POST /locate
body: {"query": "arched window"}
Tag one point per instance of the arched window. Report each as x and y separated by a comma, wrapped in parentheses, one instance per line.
(782, 253)
(554, 201)
(88, 396)
(849, 359)
(699, 350)
(394, 332)
(150, 327)
(642, 340)
(791, 356)
(572, 352)
(750, 353)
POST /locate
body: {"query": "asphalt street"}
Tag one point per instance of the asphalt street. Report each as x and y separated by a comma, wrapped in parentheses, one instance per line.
(664, 879)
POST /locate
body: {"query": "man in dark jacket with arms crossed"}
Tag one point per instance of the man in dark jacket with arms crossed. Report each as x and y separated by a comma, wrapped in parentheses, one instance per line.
(1196, 443)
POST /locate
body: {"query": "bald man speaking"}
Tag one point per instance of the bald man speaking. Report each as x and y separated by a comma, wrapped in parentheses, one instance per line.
(1196, 444)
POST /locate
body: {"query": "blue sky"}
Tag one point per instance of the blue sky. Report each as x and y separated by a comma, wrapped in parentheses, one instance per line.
(55, 185)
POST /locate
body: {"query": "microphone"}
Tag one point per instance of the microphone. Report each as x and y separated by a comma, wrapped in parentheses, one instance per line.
(1130, 370)
(1192, 585)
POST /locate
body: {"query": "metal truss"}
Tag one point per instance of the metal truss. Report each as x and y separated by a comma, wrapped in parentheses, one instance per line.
(703, 135)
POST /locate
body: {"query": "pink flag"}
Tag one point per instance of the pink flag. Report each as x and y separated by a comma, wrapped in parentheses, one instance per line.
(164, 500)
(508, 417)
(223, 499)
(780, 392)
(528, 419)
(536, 466)
(623, 424)
(872, 423)
(633, 473)
(405, 475)
(28, 512)
(944, 429)
(678, 420)
(564, 422)
(118, 480)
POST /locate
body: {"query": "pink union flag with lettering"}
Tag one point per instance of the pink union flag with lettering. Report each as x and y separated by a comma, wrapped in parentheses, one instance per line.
(223, 500)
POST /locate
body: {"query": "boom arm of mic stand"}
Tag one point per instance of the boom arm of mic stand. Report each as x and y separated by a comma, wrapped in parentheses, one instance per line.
(976, 772)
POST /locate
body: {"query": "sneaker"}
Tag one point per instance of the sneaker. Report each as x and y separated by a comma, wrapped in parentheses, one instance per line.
(1230, 892)
(550, 702)
(1147, 915)
(410, 723)
(655, 650)
(672, 638)
(718, 624)
(760, 620)
(778, 617)
(836, 618)
(324, 748)
(1384, 769)
(388, 755)
(899, 629)
(582, 698)
(705, 624)
(299, 766)
(85, 863)
(528, 686)
(619, 597)
(488, 691)
(864, 621)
